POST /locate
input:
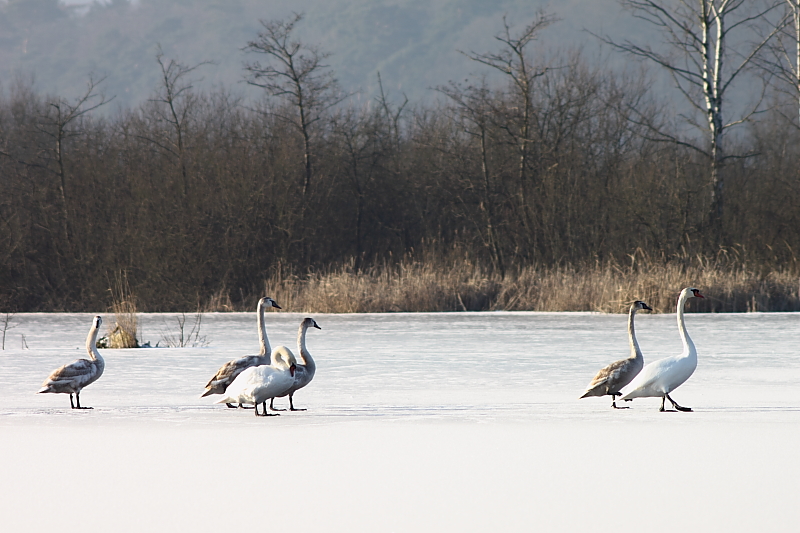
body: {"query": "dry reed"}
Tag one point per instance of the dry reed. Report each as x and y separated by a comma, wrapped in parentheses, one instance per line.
(414, 286)
(123, 303)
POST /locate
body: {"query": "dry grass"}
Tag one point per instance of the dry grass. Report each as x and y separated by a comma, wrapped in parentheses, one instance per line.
(462, 286)
(123, 303)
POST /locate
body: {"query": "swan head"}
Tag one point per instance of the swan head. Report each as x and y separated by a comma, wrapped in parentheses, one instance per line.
(266, 301)
(310, 323)
(96, 322)
(638, 304)
(695, 293)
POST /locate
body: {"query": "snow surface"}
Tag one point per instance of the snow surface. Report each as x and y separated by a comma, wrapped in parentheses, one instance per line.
(415, 422)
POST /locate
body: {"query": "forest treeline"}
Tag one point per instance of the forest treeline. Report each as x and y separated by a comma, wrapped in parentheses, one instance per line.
(197, 198)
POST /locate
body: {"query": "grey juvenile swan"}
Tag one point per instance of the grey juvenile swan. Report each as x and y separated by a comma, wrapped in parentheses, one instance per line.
(73, 377)
(612, 378)
(228, 372)
(306, 368)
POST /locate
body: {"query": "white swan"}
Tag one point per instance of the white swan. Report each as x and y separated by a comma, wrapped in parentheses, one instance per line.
(305, 369)
(612, 378)
(73, 377)
(661, 377)
(228, 372)
(258, 384)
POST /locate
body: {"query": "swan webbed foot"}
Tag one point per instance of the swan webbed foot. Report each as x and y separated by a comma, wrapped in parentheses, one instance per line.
(272, 407)
(265, 413)
(296, 409)
(679, 407)
(77, 402)
(231, 406)
(242, 406)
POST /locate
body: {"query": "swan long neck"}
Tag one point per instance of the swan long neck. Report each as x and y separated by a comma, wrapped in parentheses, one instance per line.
(305, 357)
(688, 345)
(266, 350)
(636, 353)
(91, 345)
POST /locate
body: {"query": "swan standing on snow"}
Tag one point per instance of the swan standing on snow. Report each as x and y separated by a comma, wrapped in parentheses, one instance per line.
(73, 377)
(305, 369)
(228, 372)
(258, 384)
(612, 378)
(661, 377)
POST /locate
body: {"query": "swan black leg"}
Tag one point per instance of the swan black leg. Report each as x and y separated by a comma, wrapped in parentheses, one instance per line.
(614, 401)
(78, 401)
(273, 408)
(676, 406)
(291, 404)
(661, 409)
(72, 405)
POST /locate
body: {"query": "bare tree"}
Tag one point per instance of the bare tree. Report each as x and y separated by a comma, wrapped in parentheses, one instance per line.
(296, 74)
(515, 62)
(783, 61)
(175, 100)
(474, 112)
(61, 123)
(698, 34)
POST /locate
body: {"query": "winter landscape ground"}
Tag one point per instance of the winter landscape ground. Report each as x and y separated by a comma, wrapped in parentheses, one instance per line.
(415, 422)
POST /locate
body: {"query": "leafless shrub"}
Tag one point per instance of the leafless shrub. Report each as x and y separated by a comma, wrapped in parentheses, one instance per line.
(181, 338)
(5, 324)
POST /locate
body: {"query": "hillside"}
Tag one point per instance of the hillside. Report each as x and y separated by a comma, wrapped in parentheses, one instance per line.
(413, 43)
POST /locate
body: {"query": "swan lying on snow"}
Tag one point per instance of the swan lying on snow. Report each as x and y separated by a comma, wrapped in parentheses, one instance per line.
(612, 378)
(661, 377)
(305, 369)
(228, 372)
(258, 384)
(73, 377)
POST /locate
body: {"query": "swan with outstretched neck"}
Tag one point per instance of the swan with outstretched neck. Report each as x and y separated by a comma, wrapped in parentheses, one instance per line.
(228, 372)
(73, 377)
(306, 368)
(258, 384)
(661, 377)
(612, 378)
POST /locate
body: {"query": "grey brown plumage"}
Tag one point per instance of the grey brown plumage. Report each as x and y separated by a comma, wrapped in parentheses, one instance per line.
(73, 377)
(613, 378)
(228, 372)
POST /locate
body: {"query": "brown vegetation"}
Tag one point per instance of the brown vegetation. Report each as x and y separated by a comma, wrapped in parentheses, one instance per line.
(413, 286)
(533, 195)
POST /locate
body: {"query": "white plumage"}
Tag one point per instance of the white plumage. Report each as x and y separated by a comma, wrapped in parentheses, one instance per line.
(256, 385)
(228, 372)
(661, 377)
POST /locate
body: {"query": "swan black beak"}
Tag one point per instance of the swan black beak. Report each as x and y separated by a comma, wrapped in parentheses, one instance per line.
(316, 326)
(276, 306)
(647, 307)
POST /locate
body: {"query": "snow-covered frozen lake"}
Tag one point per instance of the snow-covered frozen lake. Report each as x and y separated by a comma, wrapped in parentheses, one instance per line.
(415, 422)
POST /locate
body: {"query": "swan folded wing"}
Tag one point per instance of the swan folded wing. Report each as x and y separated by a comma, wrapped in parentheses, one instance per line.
(605, 379)
(231, 369)
(74, 375)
